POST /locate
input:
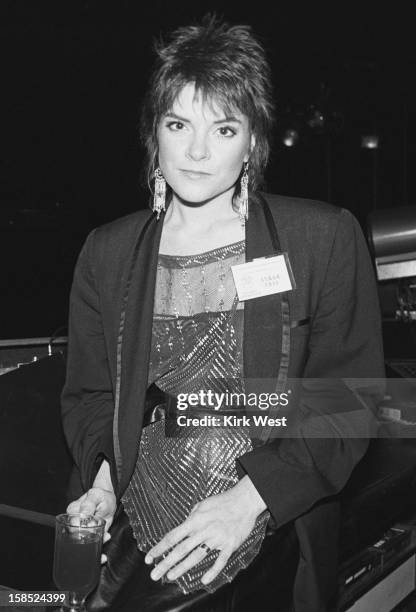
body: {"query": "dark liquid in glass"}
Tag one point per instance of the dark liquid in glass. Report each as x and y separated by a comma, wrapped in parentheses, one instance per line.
(77, 566)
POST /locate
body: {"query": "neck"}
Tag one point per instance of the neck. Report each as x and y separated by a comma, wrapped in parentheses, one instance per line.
(201, 215)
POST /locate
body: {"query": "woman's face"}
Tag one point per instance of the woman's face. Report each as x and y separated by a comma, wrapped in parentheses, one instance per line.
(201, 150)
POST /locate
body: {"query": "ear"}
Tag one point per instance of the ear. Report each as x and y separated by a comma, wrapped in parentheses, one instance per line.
(252, 145)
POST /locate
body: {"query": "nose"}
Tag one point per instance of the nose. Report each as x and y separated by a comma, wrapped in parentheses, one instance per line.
(197, 149)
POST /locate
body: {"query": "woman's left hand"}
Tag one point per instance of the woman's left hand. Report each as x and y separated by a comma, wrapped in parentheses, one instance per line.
(221, 522)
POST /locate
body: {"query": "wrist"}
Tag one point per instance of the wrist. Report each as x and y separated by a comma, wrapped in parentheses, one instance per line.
(103, 478)
(251, 497)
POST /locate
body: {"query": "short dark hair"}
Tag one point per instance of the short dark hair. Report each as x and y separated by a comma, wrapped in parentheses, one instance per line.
(226, 64)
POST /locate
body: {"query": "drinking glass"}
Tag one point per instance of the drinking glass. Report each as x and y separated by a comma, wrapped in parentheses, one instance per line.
(76, 568)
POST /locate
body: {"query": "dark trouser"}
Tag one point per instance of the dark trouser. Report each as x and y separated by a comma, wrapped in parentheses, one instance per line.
(125, 583)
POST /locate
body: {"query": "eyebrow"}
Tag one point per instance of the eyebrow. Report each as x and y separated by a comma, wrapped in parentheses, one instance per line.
(227, 119)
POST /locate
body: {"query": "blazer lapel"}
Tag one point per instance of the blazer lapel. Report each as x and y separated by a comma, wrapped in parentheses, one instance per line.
(136, 345)
(262, 315)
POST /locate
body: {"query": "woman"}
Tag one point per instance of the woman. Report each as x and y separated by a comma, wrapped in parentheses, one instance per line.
(157, 313)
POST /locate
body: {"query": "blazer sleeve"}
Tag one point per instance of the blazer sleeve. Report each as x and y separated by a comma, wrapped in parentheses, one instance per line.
(87, 398)
(331, 425)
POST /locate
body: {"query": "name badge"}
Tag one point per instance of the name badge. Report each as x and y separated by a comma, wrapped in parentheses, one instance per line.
(263, 276)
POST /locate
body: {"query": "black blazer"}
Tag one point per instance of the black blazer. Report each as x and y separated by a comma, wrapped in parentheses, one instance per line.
(335, 333)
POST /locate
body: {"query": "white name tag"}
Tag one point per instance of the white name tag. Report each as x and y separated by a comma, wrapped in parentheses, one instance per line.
(263, 276)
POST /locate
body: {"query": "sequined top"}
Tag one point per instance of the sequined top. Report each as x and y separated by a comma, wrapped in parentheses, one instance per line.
(197, 322)
(196, 345)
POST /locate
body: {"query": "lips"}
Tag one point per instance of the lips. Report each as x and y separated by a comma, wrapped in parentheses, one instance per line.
(192, 174)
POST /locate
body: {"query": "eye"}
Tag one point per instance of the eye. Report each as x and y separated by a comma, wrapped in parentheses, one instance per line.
(175, 126)
(226, 131)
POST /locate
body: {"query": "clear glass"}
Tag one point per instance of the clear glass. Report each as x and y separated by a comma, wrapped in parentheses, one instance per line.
(77, 560)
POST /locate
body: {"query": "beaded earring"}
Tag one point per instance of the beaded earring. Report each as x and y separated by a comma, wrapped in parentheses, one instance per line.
(243, 198)
(159, 197)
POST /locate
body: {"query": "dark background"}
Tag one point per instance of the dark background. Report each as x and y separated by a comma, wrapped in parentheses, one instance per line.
(72, 77)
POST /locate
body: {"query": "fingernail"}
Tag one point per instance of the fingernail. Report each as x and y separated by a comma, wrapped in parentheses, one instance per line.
(155, 575)
(148, 559)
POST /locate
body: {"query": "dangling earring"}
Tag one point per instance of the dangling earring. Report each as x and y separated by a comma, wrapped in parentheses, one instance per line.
(159, 197)
(243, 199)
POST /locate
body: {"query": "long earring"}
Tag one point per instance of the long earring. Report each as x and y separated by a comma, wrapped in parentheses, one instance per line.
(159, 197)
(243, 199)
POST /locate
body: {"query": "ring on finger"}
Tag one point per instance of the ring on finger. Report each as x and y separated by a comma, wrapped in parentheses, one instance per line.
(205, 547)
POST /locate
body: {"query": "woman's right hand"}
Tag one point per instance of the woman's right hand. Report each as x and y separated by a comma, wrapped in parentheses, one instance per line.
(99, 501)
(96, 501)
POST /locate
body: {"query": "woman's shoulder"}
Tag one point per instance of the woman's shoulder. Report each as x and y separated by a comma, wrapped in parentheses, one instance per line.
(308, 217)
(305, 210)
(119, 233)
(123, 227)
(114, 240)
